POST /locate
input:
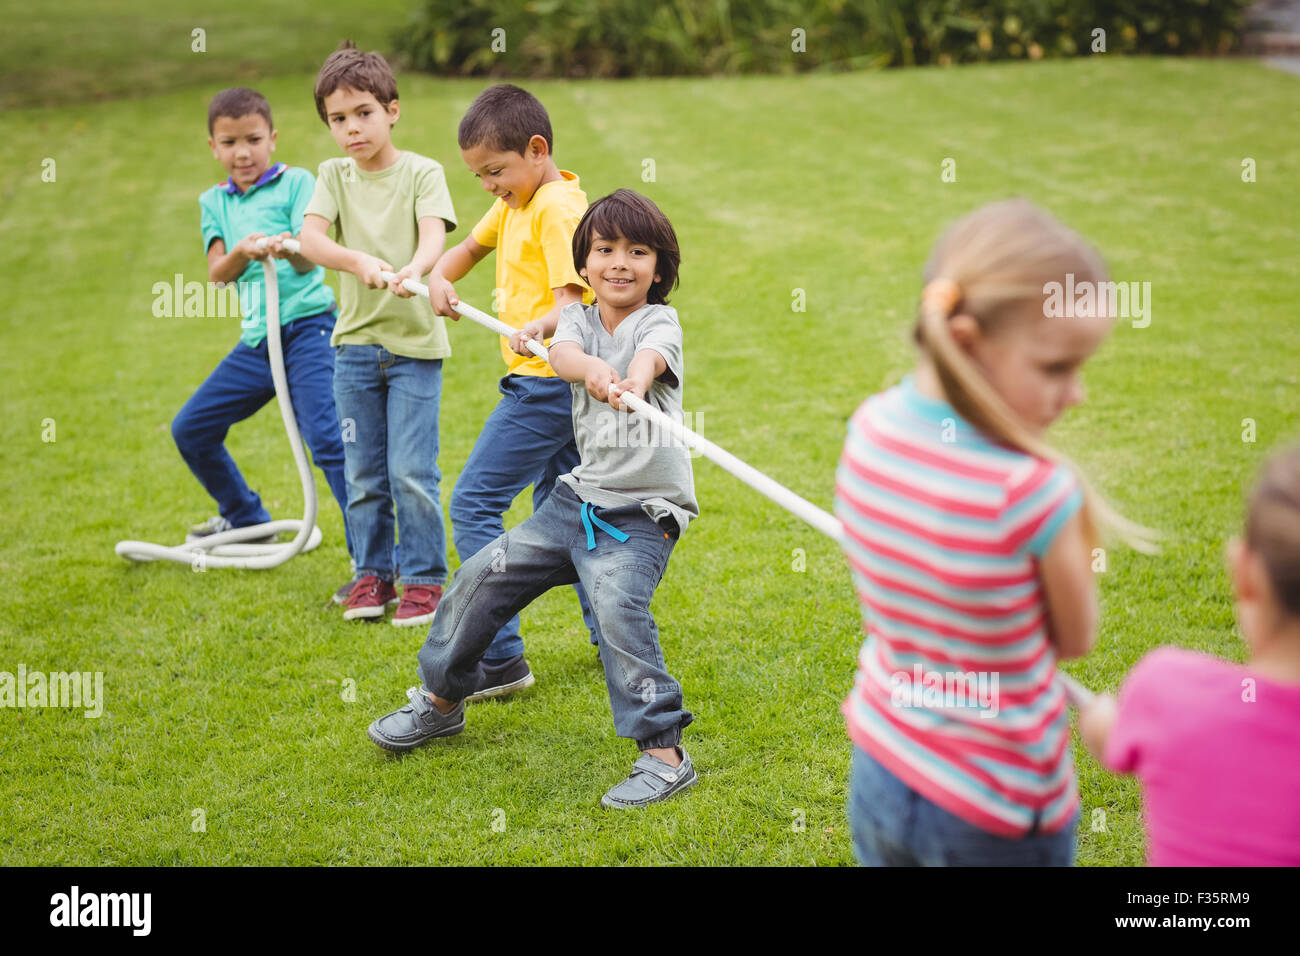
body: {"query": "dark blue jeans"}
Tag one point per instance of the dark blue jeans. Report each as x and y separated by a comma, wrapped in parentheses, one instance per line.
(528, 438)
(548, 550)
(893, 825)
(239, 386)
(388, 405)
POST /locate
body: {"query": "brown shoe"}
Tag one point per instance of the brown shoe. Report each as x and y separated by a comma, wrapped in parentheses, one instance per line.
(418, 605)
(370, 595)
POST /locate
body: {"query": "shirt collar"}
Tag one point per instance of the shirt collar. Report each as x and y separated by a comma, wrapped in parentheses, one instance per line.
(275, 171)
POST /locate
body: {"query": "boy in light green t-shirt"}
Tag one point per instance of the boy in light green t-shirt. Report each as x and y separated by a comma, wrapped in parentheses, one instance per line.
(387, 206)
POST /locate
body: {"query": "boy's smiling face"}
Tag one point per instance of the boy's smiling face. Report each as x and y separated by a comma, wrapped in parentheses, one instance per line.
(508, 175)
(243, 145)
(362, 128)
(621, 273)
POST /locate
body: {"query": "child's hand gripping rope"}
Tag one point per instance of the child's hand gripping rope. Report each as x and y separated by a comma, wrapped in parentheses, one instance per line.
(822, 520)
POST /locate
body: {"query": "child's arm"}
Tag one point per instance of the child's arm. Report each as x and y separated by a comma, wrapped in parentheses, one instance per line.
(572, 364)
(318, 247)
(646, 366)
(433, 239)
(1096, 722)
(1070, 591)
(543, 328)
(228, 266)
(453, 266)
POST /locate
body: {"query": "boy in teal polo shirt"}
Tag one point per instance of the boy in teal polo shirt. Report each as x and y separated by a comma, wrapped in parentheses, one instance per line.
(259, 199)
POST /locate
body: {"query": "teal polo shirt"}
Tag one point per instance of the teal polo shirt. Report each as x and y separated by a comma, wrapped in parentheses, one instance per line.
(272, 205)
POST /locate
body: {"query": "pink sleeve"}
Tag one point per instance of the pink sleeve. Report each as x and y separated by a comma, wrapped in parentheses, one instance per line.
(1138, 721)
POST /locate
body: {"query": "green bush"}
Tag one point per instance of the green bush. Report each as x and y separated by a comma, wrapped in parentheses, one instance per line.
(632, 37)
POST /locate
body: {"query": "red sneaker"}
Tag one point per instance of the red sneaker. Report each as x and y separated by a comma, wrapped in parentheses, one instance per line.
(369, 596)
(418, 604)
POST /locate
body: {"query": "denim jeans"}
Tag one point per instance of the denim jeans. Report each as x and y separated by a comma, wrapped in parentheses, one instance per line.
(893, 825)
(528, 437)
(239, 386)
(389, 405)
(550, 549)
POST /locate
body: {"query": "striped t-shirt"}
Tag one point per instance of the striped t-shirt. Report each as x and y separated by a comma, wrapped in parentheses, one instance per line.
(955, 692)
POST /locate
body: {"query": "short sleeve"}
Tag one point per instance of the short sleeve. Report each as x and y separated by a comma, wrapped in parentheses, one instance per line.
(303, 187)
(572, 325)
(432, 197)
(1137, 721)
(324, 202)
(556, 226)
(1039, 502)
(209, 225)
(659, 330)
(488, 230)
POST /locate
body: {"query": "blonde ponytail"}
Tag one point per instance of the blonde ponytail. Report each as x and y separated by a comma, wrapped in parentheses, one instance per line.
(990, 266)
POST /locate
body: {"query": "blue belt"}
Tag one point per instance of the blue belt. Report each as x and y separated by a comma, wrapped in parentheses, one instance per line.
(588, 517)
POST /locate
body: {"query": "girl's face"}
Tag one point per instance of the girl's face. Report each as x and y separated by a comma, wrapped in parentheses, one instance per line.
(1035, 363)
(621, 273)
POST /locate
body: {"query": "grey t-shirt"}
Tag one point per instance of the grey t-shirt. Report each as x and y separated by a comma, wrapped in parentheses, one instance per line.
(625, 458)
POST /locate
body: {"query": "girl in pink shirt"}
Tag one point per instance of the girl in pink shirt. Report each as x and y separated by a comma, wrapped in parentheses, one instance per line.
(1216, 745)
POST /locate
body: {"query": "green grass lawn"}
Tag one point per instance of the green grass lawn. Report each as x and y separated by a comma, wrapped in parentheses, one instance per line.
(225, 689)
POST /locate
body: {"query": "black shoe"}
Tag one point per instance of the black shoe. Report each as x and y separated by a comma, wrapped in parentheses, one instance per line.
(498, 678)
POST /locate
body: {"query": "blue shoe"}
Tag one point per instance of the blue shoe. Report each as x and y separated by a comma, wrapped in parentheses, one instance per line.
(651, 780)
(416, 723)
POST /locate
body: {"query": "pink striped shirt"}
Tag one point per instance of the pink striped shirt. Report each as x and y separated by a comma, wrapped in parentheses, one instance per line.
(955, 691)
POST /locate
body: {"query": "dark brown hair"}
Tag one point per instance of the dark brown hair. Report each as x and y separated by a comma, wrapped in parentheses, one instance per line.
(504, 118)
(1273, 525)
(236, 102)
(350, 68)
(635, 218)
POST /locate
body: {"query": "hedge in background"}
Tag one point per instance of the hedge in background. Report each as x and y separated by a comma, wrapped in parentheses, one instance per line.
(635, 37)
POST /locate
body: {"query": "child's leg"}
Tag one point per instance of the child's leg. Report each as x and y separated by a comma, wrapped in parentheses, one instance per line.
(493, 586)
(414, 393)
(517, 440)
(309, 367)
(561, 463)
(361, 397)
(235, 389)
(621, 578)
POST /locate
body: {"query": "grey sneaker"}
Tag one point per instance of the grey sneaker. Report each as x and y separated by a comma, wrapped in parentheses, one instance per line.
(499, 678)
(651, 780)
(417, 722)
(216, 525)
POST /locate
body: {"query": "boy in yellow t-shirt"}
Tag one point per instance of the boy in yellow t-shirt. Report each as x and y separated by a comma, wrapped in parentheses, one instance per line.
(505, 139)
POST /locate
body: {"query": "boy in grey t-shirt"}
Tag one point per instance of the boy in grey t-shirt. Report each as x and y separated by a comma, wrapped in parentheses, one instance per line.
(611, 523)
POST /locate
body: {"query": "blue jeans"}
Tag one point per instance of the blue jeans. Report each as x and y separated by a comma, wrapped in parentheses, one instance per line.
(239, 386)
(893, 825)
(389, 404)
(528, 438)
(548, 550)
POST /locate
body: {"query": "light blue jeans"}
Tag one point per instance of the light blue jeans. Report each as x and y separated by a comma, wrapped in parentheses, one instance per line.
(893, 825)
(528, 439)
(388, 407)
(563, 543)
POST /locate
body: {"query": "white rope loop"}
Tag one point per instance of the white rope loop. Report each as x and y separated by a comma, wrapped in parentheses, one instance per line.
(229, 549)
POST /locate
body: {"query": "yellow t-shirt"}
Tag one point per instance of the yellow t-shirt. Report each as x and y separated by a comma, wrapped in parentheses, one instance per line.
(534, 256)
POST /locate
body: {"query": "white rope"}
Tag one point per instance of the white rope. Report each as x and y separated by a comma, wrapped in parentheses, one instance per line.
(822, 520)
(227, 549)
